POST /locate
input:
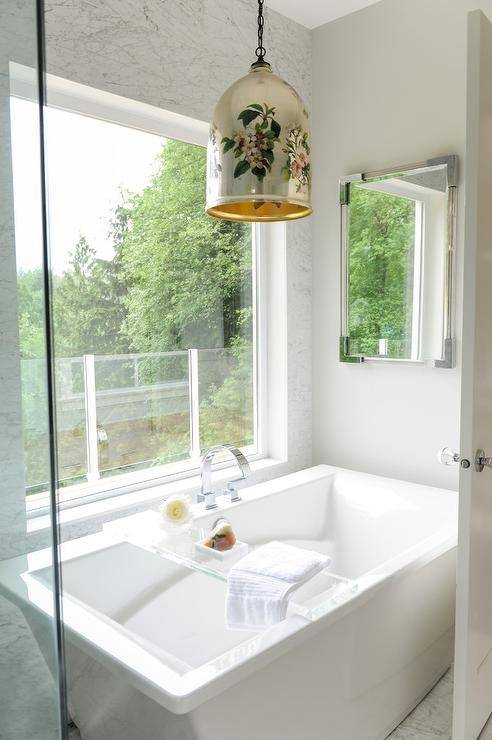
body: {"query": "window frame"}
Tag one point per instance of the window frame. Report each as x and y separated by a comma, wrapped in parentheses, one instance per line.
(91, 102)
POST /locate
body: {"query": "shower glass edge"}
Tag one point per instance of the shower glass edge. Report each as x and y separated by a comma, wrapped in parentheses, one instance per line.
(32, 674)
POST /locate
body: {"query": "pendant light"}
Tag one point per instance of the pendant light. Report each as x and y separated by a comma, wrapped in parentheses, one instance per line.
(258, 158)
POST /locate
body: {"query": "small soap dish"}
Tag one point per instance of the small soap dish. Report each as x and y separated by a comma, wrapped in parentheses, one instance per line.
(238, 551)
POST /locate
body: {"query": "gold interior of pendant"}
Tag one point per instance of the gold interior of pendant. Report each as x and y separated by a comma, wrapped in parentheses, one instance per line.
(255, 210)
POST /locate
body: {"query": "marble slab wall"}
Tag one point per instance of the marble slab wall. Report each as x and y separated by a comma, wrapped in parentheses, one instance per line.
(17, 43)
(181, 56)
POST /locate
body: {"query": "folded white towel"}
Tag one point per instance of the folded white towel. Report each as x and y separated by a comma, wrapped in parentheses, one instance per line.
(259, 585)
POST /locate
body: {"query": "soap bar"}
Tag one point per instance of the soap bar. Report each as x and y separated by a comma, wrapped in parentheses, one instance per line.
(222, 536)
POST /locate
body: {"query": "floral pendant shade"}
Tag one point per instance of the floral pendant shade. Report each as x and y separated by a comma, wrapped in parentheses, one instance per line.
(258, 158)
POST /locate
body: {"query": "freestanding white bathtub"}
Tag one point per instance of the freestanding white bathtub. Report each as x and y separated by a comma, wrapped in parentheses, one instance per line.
(150, 658)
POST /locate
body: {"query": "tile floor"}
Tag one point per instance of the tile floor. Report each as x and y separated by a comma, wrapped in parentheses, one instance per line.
(431, 720)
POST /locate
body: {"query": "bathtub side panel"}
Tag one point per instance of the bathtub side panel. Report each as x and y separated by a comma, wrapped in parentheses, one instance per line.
(357, 678)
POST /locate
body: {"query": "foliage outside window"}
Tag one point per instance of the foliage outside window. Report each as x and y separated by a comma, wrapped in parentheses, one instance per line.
(176, 289)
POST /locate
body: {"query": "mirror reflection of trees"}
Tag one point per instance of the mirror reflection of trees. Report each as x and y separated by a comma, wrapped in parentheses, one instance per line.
(381, 271)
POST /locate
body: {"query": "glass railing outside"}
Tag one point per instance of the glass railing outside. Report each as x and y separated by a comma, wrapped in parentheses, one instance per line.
(122, 413)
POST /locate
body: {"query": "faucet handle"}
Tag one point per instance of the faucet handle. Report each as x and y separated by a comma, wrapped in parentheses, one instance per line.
(208, 498)
(232, 485)
(232, 489)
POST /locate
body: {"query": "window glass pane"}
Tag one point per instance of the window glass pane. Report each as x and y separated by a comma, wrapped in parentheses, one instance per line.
(151, 298)
(384, 234)
(70, 414)
(226, 395)
(142, 402)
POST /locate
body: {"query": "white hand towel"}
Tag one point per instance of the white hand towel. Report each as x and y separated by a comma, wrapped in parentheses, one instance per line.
(259, 585)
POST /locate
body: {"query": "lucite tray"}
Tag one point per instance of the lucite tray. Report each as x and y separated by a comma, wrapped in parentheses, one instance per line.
(320, 595)
(176, 544)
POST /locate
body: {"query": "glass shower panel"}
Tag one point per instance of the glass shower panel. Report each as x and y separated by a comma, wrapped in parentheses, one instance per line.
(31, 675)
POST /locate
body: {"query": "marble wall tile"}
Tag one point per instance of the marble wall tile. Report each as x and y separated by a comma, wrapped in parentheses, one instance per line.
(12, 503)
(181, 56)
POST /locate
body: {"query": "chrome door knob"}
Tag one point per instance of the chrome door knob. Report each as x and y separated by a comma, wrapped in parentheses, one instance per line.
(446, 456)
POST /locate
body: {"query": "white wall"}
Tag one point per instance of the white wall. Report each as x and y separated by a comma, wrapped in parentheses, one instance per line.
(388, 89)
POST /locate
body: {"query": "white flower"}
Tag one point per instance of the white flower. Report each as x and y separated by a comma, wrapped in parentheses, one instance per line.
(176, 510)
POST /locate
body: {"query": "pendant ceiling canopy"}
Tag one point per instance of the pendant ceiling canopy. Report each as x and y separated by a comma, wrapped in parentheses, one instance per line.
(258, 160)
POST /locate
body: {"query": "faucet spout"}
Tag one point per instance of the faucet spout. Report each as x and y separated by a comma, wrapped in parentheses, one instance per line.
(206, 493)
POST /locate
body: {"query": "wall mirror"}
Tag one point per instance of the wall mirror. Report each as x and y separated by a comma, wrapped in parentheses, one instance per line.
(397, 247)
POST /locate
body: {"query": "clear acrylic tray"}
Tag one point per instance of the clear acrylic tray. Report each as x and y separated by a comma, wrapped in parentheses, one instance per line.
(176, 544)
(320, 595)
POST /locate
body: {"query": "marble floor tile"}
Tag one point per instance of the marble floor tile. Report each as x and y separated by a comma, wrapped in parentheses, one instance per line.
(409, 733)
(432, 718)
(486, 733)
(73, 733)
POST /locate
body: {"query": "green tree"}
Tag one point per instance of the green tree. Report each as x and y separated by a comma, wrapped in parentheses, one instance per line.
(89, 308)
(189, 285)
(30, 294)
(178, 279)
(189, 275)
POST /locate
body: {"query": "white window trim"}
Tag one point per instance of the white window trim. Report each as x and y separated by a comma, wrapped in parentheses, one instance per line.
(269, 298)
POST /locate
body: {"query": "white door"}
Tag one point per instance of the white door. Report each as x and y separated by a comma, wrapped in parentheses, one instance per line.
(473, 660)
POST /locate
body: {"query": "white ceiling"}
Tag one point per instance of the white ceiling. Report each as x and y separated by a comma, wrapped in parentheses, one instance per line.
(313, 13)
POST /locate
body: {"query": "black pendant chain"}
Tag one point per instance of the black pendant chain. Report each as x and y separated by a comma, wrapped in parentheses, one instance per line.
(260, 49)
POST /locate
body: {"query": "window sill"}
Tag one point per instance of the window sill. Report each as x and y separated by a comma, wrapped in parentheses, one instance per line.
(84, 493)
(117, 504)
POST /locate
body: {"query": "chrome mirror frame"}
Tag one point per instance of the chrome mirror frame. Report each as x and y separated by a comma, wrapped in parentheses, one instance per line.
(450, 163)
